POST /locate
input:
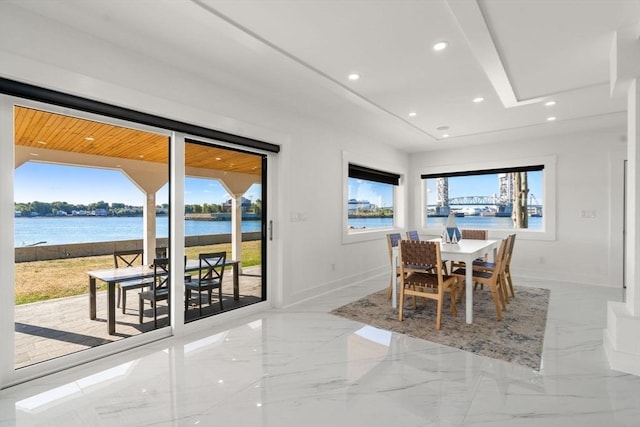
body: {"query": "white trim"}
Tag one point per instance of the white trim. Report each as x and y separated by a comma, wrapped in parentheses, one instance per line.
(549, 197)
(7, 293)
(8, 374)
(399, 200)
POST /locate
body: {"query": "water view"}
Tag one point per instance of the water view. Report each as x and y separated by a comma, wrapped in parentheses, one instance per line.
(535, 223)
(66, 230)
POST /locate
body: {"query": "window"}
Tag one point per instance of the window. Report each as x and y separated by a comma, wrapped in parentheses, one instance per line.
(370, 200)
(504, 198)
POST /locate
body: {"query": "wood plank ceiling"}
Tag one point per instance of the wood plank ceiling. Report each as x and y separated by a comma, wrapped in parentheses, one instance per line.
(51, 131)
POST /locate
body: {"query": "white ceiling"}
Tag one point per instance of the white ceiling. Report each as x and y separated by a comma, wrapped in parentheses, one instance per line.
(297, 54)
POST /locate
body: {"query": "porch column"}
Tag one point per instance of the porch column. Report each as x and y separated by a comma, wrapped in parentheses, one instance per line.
(236, 229)
(149, 227)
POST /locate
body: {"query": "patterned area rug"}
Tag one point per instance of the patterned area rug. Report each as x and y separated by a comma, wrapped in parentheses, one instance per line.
(518, 338)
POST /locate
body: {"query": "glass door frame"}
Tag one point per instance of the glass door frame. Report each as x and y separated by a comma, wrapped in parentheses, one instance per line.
(8, 374)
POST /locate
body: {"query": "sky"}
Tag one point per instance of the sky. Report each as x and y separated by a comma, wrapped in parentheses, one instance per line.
(45, 182)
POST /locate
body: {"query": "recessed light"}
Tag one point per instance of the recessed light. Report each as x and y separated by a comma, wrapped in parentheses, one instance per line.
(551, 119)
(42, 142)
(550, 103)
(354, 76)
(445, 135)
(90, 138)
(141, 156)
(478, 100)
(441, 45)
(218, 158)
(442, 128)
(34, 154)
(412, 114)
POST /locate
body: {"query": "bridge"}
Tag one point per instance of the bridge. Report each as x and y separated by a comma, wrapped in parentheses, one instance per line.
(476, 200)
(504, 208)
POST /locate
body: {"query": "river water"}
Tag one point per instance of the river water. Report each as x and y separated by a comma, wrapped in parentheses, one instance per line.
(65, 230)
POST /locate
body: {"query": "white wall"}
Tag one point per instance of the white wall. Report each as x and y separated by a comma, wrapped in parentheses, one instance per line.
(311, 254)
(589, 177)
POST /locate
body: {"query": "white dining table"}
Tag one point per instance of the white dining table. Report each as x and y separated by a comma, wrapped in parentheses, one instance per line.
(466, 250)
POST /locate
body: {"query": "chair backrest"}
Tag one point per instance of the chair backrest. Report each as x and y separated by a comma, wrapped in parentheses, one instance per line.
(475, 234)
(392, 242)
(419, 256)
(212, 266)
(127, 258)
(413, 235)
(161, 252)
(160, 275)
(501, 257)
(509, 250)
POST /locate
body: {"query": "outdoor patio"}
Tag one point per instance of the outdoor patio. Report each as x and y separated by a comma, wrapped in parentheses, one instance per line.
(54, 328)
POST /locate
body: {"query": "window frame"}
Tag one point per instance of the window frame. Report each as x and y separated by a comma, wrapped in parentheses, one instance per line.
(399, 191)
(548, 231)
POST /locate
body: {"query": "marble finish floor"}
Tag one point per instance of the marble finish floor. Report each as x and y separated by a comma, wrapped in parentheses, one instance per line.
(301, 366)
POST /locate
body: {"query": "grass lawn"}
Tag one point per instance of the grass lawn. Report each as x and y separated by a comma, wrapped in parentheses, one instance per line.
(43, 280)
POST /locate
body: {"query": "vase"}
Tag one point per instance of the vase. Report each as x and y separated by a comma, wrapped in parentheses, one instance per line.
(451, 232)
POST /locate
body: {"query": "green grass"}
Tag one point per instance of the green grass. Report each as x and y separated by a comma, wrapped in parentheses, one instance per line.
(44, 280)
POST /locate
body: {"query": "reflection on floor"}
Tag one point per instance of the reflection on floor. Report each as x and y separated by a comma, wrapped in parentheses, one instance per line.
(50, 329)
(301, 366)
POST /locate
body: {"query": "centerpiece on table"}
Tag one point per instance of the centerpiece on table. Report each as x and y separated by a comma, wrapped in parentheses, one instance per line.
(451, 233)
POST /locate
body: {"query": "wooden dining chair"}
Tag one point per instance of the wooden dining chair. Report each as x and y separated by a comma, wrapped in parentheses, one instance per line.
(470, 234)
(159, 290)
(506, 282)
(128, 258)
(491, 278)
(392, 242)
(421, 276)
(413, 235)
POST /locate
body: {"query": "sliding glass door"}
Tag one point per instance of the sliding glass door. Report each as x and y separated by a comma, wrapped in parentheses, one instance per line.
(97, 212)
(89, 196)
(224, 219)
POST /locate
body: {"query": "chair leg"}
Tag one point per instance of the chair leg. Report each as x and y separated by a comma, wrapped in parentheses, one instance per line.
(124, 299)
(496, 302)
(219, 297)
(439, 312)
(401, 304)
(503, 287)
(118, 296)
(140, 310)
(155, 314)
(454, 297)
(508, 275)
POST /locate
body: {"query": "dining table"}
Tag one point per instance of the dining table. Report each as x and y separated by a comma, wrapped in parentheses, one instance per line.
(465, 250)
(111, 276)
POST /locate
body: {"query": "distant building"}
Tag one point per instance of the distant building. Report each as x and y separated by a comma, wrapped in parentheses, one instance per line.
(100, 212)
(359, 205)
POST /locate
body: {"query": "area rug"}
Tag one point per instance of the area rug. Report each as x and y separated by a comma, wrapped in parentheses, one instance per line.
(518, 338)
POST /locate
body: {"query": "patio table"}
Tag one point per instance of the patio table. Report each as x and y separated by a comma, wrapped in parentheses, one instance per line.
(114, 275)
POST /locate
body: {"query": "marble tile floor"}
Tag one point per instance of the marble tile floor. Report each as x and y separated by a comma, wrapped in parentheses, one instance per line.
(301, 366)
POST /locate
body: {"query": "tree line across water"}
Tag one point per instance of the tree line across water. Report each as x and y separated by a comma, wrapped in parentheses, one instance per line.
(37, 208)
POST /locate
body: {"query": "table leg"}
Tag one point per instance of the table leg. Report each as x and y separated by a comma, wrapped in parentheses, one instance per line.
(236, 281)
(469, 290)
(394, 281)
(92, 298)
(111, 308)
